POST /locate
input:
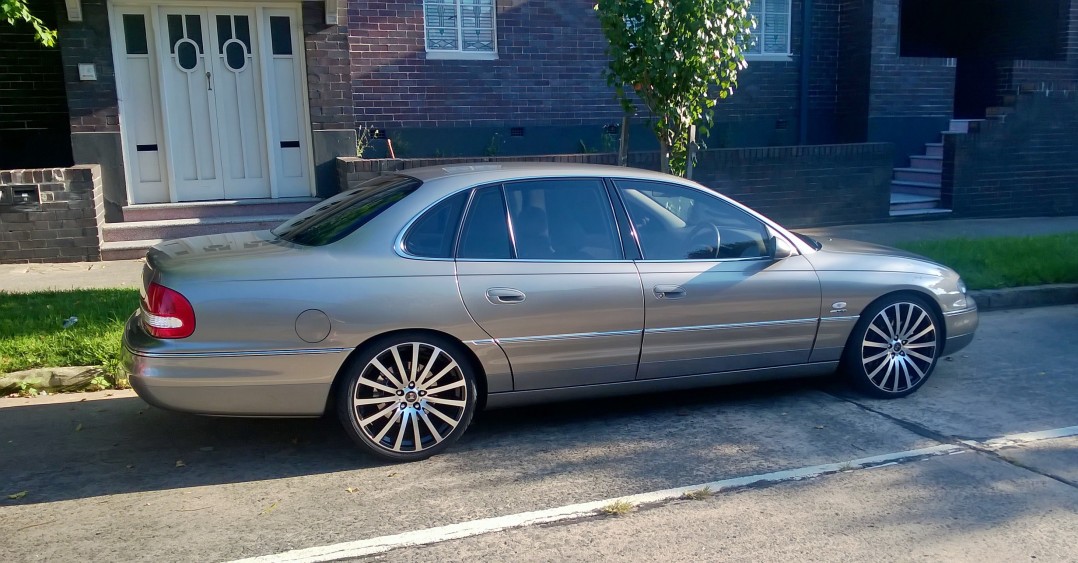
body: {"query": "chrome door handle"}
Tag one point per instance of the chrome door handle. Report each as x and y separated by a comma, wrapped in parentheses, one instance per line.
(669, 292)
(505, 295)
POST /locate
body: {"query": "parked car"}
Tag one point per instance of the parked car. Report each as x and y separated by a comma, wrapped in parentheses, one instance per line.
(409, 302)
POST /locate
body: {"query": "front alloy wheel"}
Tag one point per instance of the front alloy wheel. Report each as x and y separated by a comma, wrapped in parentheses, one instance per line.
(894, 348)
(411, 398)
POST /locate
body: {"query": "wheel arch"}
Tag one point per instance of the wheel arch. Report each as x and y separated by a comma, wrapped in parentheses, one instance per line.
(339, 377)
(922, 294)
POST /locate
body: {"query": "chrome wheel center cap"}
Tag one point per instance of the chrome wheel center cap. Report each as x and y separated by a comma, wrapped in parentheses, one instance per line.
(896, 347)
(411, 396)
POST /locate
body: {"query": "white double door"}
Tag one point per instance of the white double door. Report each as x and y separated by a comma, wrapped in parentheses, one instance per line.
(219, 92)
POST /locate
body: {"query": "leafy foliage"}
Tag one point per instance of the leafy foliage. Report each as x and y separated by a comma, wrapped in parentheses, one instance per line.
(16, 10)
(677, 55)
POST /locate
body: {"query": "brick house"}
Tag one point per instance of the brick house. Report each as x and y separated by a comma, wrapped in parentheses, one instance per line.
(234, 113)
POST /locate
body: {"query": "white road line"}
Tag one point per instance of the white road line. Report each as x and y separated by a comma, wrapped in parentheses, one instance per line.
(487, 525)
(1024, 438)
(429, 536)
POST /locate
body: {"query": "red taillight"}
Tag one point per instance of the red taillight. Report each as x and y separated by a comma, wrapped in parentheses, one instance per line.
(166, 313)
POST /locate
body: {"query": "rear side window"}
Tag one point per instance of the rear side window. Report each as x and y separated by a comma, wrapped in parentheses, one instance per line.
(485, 234)
(341, 215)
(433, 234)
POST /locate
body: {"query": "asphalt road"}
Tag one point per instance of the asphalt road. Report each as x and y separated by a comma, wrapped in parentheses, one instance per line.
(113, 479)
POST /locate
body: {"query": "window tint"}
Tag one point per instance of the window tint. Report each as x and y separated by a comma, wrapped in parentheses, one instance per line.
(340, 215)
(485, 234)
(679, 223)
(562, 219)
(433, 234)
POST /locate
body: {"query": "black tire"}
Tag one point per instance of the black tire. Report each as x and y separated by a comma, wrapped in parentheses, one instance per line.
(894, 347)
(393, 411)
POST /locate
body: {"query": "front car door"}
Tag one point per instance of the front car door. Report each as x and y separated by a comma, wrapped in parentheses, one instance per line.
(541, 269)
(715, 300)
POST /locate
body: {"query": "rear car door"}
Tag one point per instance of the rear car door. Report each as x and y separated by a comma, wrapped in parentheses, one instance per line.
(715, 299)
(541, 269)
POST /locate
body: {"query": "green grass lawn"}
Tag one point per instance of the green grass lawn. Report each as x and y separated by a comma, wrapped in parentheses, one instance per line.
(32, 333)
(994, 263)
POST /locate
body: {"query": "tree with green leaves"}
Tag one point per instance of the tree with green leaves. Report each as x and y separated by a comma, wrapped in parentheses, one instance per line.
(679, 57)
(16, 10)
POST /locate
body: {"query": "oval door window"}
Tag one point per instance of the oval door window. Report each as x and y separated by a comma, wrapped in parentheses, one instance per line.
(235, 55)
(186, 55)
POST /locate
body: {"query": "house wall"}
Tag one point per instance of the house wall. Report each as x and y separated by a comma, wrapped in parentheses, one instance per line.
(548, 78)
(910, 99)
(796, 185)
(64, 226)
(1024, 165)
(1049, 75)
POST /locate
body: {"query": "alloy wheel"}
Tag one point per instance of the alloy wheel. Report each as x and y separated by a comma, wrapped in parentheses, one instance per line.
(899, 347)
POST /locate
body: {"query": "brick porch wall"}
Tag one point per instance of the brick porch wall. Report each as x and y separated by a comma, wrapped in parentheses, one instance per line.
(64, 227)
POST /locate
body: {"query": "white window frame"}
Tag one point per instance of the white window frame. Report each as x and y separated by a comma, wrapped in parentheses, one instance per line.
(757, 35)
(459, 53)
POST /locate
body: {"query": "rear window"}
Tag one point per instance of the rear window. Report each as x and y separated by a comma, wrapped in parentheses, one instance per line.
(342, 214)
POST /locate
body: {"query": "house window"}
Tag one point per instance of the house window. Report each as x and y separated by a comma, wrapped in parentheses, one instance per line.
(772, 34)
(460, 29)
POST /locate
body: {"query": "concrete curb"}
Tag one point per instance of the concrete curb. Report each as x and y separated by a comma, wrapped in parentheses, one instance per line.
(1023, 297)
(50, 380)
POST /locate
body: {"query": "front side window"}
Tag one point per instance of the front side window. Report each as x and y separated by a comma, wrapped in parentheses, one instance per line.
(562, 219)
(460, 28)
(680, 223)
(772, 33)
(340, 215)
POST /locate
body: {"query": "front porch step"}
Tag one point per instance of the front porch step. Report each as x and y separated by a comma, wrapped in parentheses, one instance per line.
(934, 149)
(901, 201)
(224, 208)
(964, 125)
(915, 188)
(180, 228)
(925, 175)
(927, 162)
(917, 212)
(127, 250)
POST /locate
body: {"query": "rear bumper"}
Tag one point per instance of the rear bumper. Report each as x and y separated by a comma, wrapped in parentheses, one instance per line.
(961, 326)
(259, 384)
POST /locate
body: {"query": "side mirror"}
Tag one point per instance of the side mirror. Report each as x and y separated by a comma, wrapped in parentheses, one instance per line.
(780, 248)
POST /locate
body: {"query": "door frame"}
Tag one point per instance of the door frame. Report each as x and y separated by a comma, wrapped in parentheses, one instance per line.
(114, 8)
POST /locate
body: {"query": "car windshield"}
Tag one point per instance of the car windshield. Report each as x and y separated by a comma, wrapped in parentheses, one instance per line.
(340, 215)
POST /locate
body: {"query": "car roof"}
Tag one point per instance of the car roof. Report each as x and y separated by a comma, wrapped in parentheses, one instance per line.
(500, 171)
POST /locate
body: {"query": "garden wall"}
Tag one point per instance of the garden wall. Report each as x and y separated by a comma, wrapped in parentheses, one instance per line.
(57, 215)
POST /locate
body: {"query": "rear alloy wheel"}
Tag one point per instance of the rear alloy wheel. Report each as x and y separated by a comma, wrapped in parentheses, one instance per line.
(894, 348)
(410, 398)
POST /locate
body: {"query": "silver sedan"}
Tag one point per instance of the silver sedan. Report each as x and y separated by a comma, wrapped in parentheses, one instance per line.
(413, 300)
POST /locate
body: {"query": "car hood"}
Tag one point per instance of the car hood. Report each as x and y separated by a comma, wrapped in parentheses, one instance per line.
(851, 255)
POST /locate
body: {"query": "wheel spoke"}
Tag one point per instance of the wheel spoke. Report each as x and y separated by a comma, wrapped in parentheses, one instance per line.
(927, 330)
(450, 402)
(906, 372)
(452, 423)
(919, 356)
(887, 375)
(923, 317)
(892, 322)
(400, 433)
(906, 327)
(373, 401)
(452, 366)
(388, 375)
(882, 365)
(385, 429)
(921, 345)
(430, 426)
(872, 344)
(426, 370)
(377, 415)
(920, 373)
(879, 332)
(444, 388)
(376, 385)
(867, 361)
(415, 362)
(418, 444)
(400, 364)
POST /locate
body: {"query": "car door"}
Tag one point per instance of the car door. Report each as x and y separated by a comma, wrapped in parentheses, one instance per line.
(715, 299)
(541, 269)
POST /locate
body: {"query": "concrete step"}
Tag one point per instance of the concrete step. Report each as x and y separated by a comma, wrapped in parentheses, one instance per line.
(223, 208)
(917, 212)
(964, 125)
(928, 162)
(915, 188)
(911, 201)
(934, 149)
(179, 228)
(126, 250)
(925, 175)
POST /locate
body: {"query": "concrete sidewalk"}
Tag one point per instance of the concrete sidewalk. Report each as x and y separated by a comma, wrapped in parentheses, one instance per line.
(126, 273)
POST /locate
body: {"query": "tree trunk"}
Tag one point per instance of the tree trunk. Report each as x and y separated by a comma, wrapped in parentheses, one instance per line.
(691, 156)
(664, 157)
(623, 147)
